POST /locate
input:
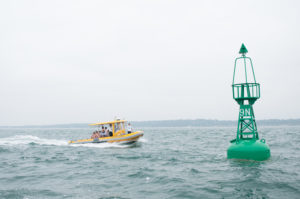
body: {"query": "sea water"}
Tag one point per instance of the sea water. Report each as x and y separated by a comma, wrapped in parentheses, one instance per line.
(185, 162)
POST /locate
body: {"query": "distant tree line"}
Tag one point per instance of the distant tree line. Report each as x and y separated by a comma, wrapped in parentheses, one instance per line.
(208, 123)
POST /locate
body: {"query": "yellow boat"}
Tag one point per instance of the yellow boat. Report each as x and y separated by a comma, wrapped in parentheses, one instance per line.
(118, 134)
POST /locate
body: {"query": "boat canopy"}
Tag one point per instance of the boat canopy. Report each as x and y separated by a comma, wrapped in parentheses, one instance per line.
(112, 122)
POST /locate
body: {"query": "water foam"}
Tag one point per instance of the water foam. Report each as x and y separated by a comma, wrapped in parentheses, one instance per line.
(29, 139)
(143, 140)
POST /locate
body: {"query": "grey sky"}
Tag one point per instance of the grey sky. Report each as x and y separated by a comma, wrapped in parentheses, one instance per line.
(88, 61)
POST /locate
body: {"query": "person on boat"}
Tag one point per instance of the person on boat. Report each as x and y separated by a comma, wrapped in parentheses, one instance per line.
(129, 129)
(97, 134)
(102, 134)
(93, 135)
(100, 131)
(109, 130)
(106, 132)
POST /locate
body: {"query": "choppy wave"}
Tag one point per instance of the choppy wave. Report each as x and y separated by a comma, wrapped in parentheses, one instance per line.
(165, 163)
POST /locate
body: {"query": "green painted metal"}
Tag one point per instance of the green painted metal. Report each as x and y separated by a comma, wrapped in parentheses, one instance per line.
(249, 150)
(243, 49)
(247, 144)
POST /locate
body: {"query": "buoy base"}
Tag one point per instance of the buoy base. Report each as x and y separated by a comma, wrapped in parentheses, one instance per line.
(249, 150)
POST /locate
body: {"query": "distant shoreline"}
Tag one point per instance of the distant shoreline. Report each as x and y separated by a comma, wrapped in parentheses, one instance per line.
(174, 123)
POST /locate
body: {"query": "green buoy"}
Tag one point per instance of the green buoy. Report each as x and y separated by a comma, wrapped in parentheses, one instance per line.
(247, 144)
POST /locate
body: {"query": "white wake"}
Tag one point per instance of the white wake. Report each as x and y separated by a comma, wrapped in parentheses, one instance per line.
(29, 139)
(143, 140)
(19, 140)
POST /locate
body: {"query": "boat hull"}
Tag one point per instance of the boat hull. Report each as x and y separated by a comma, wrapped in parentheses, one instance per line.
(124, 139)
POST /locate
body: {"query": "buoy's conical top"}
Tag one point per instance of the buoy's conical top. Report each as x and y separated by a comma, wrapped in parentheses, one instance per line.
(243, 49)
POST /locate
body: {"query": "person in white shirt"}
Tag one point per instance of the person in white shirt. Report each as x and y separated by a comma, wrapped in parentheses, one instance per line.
(129, 129)
(102, 134)
(106, 132)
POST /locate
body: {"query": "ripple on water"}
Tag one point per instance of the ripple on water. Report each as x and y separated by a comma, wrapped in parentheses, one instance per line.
(4, 150)
(25, 193)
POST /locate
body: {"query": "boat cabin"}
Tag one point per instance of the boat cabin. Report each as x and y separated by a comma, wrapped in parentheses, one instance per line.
(117, 126)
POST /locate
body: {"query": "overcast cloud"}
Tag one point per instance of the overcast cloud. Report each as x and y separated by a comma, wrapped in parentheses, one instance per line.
(67, 61)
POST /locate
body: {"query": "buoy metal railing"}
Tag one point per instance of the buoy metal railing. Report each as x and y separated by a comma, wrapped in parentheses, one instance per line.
(246, 91)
